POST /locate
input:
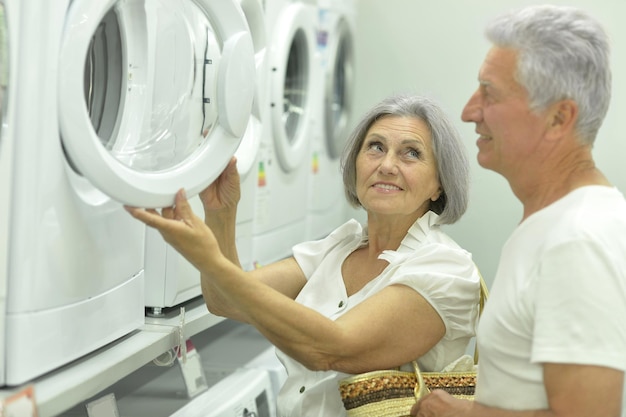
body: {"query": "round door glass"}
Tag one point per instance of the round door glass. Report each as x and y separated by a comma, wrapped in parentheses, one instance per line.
(339, 92)
(177, 92)
(338, 98)
(296, 82)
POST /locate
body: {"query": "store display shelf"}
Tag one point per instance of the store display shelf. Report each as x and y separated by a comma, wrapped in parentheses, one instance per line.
(62, 389)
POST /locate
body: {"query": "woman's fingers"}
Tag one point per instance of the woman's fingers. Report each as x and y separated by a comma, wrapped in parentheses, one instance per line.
(224, 191)
(167, 213)
(150, 217)
(181, 211)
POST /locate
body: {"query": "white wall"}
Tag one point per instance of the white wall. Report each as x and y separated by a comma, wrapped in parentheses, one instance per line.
(435, 48)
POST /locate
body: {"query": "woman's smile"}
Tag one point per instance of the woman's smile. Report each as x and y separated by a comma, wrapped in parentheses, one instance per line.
(386, 187)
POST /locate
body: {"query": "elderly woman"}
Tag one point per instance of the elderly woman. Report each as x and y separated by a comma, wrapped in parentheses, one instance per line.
(361, 299)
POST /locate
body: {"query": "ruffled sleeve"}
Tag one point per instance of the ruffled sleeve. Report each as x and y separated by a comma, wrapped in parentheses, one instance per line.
(431, 263)
(310, 254)
(447, 278)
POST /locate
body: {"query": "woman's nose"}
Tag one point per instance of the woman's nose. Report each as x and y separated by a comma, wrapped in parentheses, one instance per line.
(389, 164)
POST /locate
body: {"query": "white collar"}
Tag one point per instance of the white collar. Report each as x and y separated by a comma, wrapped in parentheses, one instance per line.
(414, 238)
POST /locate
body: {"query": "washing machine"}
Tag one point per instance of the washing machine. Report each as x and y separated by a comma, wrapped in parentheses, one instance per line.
(244, 393)
(240, 365)
(335, 46)
(9, 19)
(120, 104)
(282, 164)
(170, 279)
(247, 155)
(240, 346)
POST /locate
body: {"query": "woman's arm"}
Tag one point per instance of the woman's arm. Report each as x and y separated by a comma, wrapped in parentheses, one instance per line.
(284, 276)
(220, 201)
(196, 242)
(390, 328)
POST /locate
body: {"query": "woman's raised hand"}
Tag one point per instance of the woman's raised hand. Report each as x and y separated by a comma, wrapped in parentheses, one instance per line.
(225, 191)
(182, 229)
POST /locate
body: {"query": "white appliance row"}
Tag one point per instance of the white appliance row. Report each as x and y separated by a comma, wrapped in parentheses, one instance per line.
(291, 184)
(248, 374)
(170, 278)
(335, 50)
(8, 65)
(115, 102)
(124, 102)
(240, 371)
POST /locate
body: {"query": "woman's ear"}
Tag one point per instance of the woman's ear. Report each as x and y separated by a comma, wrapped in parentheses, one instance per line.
(436, 195)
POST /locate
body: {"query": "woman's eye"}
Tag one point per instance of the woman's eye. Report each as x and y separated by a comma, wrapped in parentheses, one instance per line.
(376, 146)
(413, 153)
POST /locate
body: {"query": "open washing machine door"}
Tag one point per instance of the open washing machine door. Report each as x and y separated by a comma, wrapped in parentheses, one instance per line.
(148, 96)
(154, 95)
(247, 151)
(170, 279)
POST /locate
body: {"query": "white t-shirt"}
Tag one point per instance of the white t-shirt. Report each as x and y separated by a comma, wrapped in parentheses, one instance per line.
(427, 261)
(559, 296)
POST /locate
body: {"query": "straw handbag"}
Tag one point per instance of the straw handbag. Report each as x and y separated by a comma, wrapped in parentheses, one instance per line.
(392, 393)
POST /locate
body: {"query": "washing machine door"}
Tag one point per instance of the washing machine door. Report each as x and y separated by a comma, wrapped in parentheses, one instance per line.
(339, 87)
(247, 152)
(154, 95)
(291, 76)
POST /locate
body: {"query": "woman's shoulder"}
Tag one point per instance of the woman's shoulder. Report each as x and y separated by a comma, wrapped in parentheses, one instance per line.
(429, 257)
(351, 228)
(434, 259)
(342, 240)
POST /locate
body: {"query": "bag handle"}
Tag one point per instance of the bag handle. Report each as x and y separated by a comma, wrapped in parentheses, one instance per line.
(484, 294)
(420, 389)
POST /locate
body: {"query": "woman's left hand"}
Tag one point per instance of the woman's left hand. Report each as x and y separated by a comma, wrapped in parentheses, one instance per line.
(182, 229)
(224, 192)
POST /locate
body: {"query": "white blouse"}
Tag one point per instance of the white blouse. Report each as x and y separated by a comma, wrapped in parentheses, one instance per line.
(427, 260)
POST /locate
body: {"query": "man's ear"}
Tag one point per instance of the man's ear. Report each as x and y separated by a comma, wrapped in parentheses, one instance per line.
(562, 118)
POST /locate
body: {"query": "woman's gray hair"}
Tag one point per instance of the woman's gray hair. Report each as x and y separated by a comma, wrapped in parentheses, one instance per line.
(563, 53)
(449, 152)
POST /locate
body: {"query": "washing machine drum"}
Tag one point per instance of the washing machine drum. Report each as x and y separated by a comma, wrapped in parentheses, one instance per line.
(154, 95)
(339, 88)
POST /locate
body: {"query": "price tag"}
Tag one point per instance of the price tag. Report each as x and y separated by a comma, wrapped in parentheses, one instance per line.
(103, 407)
(21, 404)
(193, 373)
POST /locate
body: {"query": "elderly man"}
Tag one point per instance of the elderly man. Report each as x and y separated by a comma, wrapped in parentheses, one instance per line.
(553, 335)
